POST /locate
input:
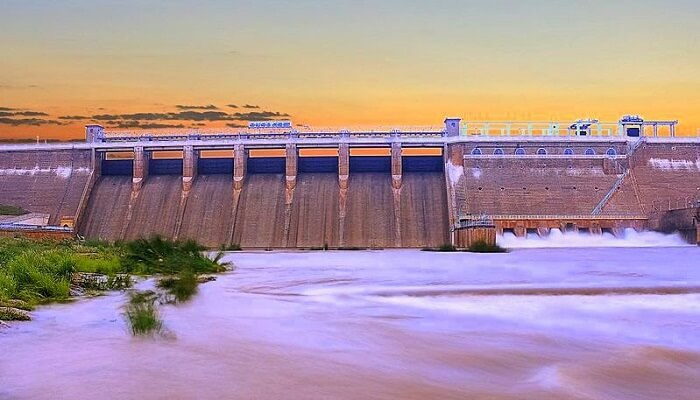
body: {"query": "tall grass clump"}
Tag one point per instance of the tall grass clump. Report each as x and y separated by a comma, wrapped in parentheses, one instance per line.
(38, 275)
(161, 256)
(181, 287)
(142, 314)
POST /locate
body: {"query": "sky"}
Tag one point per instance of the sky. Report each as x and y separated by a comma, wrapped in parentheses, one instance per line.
(209, 63)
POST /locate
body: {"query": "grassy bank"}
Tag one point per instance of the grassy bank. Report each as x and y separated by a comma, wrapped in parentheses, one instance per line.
(36, 272)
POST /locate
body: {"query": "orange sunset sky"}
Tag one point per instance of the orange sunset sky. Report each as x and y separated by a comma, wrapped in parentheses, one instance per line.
(185, 64)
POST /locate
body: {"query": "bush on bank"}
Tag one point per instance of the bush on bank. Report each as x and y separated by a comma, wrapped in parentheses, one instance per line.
(34, 272)
(161, 256)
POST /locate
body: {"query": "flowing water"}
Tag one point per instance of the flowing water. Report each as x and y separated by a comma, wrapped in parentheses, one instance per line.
(544, 323)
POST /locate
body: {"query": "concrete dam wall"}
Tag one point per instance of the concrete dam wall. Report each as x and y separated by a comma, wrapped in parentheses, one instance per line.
(339, 196)
(266, 208)
(46, 182)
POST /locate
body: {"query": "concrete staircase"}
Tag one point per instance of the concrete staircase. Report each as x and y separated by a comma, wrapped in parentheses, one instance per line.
(618, 183)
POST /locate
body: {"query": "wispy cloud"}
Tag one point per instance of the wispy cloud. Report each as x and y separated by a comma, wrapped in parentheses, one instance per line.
(251, 106)
(207, 107)
(27, 121)
(74, 117)
(15, 117)
(138, 125)
(260, 115)
(190, 115)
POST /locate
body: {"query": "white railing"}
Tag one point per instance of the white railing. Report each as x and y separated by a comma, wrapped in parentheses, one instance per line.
(564, 217)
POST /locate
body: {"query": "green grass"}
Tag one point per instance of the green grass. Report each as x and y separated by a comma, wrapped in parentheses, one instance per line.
(37, 276)
(181, 287)
(161, 256)
(35, 272)
(142, 315)
(12, 210)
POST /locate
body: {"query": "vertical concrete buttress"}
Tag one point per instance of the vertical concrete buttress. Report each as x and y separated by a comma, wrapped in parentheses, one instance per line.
(189, 173)
(240, 161)
(291, 169)
(343, 176)
(189, 167)
(291, 165)
(96, 162)
(396, 165)
(140, 168)
(396, 180)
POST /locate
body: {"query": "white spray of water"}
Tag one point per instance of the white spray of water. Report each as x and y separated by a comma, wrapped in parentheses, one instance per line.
(454, 172)
(556, 238)
(476, 173)
(666, 164)
(61, 172)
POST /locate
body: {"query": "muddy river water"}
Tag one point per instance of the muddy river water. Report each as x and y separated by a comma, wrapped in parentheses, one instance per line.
(536, 323)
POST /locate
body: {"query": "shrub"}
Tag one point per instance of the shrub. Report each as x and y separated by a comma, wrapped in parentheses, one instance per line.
(160, 256)
(182, 287)
(40, 275)
(96, 265)
(142, 315)
(483, 247)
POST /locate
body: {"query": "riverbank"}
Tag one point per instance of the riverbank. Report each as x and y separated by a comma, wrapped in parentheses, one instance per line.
(41, 272)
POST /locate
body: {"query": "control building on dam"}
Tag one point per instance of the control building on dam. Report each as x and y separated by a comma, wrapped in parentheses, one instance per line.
(375, 188)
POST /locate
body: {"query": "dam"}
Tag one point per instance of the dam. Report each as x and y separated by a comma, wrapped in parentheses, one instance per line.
(360, 188)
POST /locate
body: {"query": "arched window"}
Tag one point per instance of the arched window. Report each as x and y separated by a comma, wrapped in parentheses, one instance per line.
(476, 151)
(611, 152)
(590, 152)
(519, 151)
(568, 152)
(498, 152)
(541, 152)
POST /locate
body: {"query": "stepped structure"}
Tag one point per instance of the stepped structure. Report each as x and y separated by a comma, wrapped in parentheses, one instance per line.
(369, 188)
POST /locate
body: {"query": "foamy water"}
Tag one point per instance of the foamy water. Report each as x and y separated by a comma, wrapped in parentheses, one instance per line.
(551, 323)
(556, 238)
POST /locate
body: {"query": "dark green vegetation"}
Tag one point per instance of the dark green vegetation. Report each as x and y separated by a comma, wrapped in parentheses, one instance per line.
(483, 247)
(38, 272)
(161, 256)
(181, 287)
(447, 247)
(12, 210)
(142, 314)
(476, 247)
(231, 247)
(35, 272)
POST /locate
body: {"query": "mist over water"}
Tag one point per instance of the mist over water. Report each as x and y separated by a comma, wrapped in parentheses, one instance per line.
(557, 238)
(554, 323)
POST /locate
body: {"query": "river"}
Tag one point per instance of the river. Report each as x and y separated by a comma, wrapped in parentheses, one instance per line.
(610, 322)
